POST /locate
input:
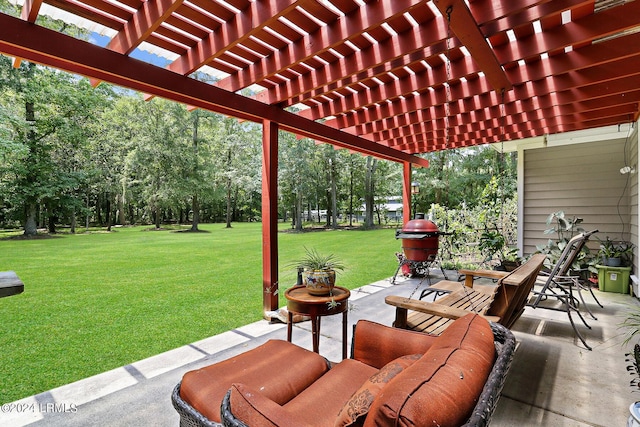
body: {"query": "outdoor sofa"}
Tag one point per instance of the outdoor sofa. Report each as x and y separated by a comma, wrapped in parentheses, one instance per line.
(394, 377)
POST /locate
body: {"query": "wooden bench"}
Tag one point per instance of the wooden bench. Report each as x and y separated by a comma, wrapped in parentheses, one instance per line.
(501, 303)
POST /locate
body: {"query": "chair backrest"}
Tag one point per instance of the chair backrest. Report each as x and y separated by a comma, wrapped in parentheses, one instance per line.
(568, 256)
(513, 291)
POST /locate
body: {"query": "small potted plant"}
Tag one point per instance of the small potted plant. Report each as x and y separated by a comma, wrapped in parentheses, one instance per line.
(511, 260)
(318, 271)
(616, 253)
(493, 244)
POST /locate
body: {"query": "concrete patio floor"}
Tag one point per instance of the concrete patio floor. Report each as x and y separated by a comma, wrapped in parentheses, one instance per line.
(553, 381)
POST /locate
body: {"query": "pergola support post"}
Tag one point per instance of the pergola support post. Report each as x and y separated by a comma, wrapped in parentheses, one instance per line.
(269, 215)
(406, 192)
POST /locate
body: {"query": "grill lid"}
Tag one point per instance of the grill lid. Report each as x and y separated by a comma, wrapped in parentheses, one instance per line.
(420, 226)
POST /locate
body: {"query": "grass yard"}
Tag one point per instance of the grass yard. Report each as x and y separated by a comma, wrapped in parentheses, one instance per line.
(94, 302)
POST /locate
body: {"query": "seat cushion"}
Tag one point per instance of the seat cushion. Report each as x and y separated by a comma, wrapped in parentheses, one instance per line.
(318, 405)
(322, 401)
(267, 368)
(443, 386)
(356, 409)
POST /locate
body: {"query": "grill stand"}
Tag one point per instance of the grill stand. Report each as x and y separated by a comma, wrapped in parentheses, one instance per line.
(419, 268)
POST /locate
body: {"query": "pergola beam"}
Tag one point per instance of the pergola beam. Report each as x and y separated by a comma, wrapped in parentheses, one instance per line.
(419, 82)
(464, 26)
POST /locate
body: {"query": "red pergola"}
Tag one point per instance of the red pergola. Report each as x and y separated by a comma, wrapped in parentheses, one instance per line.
(387, 78)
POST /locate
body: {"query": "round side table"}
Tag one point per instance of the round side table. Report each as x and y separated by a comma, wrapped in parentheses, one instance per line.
(300, 301)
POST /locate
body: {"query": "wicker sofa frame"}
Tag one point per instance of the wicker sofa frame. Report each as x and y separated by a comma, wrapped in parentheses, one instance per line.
(504, 342)
(189, 417)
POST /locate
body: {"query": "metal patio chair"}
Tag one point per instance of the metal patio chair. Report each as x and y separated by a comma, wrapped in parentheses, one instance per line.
(559, 285)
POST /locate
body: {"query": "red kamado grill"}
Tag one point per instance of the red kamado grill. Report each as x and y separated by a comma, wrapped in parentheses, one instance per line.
(419, 240)
(420, 246)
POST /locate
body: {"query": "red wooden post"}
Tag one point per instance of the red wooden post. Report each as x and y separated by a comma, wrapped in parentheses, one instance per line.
(269, 215)
(406, 192)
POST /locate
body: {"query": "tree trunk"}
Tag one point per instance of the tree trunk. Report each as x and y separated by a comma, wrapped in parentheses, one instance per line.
(327, 199)
(369, 197)
(30, 225)
(86, 218)
(334, 201)
(195, 203)
(228, 202)
(351, 196)
(51, 220)
(108, 212)
(122, 220)
(195, 207)
(99, 210)
(298, 210)
(73, 221)
(229, 190)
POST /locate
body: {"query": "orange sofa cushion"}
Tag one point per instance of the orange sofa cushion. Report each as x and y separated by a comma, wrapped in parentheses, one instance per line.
(442, 387)
(205, 388)
(376, 344)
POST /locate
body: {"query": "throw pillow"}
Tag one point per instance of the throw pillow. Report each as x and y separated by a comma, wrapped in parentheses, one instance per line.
(355, 410)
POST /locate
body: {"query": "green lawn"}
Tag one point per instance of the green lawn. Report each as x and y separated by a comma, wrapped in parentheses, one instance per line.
(94, 302)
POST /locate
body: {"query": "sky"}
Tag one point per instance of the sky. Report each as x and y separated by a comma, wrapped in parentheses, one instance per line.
(150, 58)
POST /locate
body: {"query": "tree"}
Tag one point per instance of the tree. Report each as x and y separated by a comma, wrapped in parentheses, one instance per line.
(238, 159)
(369, 190)
(199, 177)
(160, 155)
(295, 175)
(53, 130)
(457, 177)
(355, 168)
(116, 136)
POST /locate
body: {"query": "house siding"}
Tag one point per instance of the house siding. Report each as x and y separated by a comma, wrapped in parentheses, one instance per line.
(633, 194)
(584, 181)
